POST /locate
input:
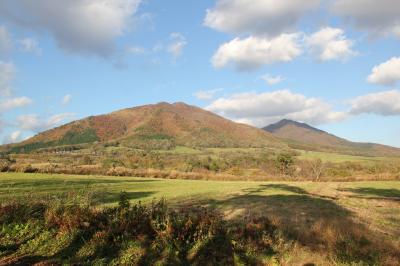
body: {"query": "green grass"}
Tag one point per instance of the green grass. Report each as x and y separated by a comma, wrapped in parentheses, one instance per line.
(230, 150)
(229, 196)
(181, 150)
(15, 185)
(305, 155)
(340, 158)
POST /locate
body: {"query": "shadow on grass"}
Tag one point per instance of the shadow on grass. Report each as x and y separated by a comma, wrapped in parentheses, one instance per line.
(63, 182)
(106, 197)
(77, 242)
(284, 187)
(374, 193)
(318, 223)
(312, 220)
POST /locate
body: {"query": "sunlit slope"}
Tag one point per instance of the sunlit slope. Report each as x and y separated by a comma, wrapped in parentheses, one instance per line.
(155, 126)
(305, 137)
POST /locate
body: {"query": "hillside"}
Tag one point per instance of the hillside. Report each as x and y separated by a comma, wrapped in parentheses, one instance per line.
(157, 126)
(303, 136)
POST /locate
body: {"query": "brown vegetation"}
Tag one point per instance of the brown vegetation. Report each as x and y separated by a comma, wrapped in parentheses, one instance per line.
(148, 125)
(59, 233)
(257, 166)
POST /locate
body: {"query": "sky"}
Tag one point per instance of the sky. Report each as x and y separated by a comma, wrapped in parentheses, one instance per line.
(334, 64)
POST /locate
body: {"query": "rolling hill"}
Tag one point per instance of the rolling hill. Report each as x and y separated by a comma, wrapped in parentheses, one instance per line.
(305, 137)
(156, 126)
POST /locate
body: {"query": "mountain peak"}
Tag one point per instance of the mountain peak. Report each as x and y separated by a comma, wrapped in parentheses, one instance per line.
(304, 134)
(287, 122)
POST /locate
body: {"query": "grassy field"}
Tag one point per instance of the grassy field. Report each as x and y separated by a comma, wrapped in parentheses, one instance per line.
(340, 158)
(314, 212)
(375, 203)
(304, 155)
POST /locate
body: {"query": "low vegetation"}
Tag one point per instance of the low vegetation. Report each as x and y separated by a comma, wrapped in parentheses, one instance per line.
(58, 219)
(202, 163)
(62, 233)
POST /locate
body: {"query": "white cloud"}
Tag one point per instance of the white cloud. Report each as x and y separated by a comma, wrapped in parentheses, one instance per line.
(206, 94)
(178, 43)
(30, 45)
(261, 17)
(378, 18)
(78, 26)
(7, 74)
(387, 73)
(14, 137)
(330, 44)
(5, 41)
(272, 80)
(12, 103)
(66, 99)
(385, 103)
(253, 52)
(260, 109)
(33, 122)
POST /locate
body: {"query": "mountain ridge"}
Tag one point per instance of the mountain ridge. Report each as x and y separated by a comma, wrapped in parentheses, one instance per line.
(303, 135)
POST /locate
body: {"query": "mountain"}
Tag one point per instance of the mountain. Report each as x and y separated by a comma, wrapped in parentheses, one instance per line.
(303, 136)
(156, 126)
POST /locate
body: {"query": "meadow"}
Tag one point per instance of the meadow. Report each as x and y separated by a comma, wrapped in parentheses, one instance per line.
(327, 223)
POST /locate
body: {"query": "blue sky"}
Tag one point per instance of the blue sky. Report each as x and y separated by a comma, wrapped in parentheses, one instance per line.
(332, 63)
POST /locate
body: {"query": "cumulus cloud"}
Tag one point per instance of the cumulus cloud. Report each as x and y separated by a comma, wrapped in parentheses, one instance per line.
(14, 137)
(260, 109)
(5, 41)
(33, 122)
(178, 43)
(66, 99)
(12, 103)
(387, 73)
(30, 45)
(385, 103)
(99, 23)
(207, 94)
(330, 44)
(7, 75)
(253, 52)
(272, 80)
(261, 17)
(378, 18)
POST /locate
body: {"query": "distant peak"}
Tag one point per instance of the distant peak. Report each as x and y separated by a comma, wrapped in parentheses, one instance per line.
(163, 103)
(284, 122)
(180, 104)
(287, 121)
(177, 104)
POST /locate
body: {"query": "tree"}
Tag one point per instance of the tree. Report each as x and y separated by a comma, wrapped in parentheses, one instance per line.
(285, 164)
(317, 168)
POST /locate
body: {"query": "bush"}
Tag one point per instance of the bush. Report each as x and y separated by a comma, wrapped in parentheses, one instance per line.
(4, 165)
(285, 164)
(312, 169)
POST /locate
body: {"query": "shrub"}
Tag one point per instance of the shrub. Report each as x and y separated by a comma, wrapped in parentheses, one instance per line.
(4, 165)
(17, 212)
(285, 164)
(312, 169)
(69, 217)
